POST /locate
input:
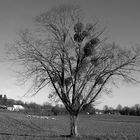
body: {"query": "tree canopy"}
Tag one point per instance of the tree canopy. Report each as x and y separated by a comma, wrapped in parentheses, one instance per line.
(71, 56)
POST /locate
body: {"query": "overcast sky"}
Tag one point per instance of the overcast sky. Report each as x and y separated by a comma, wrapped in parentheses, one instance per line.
(121, 17)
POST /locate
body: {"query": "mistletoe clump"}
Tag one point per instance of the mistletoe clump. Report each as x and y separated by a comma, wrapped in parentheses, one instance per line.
(78, 27)
(89, 48)
(68, 81)
(100, 80)
(78, 36)
(94, 61)
(81, 33)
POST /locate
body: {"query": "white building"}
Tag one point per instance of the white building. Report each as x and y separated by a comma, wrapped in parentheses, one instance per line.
(15, 108)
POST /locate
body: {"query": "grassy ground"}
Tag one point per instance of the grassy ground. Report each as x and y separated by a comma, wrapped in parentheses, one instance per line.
(15, 126)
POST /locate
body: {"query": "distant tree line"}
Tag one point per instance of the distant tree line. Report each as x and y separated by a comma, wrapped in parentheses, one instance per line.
(3, 100)
(42, 110)
(48, 109)
(133, 111)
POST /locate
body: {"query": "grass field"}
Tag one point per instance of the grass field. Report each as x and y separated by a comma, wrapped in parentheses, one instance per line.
(15, 126)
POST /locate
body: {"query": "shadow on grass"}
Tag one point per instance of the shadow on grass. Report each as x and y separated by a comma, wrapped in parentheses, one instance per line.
(51, 137)
(80, 137)
(33, 131)
(31, 126)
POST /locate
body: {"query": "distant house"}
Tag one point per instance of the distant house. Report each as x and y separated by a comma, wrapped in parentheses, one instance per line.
(3, 107)
(15, 108)
(98, 112)
(10, 108)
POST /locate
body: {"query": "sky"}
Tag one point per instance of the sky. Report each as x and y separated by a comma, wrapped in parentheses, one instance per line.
(120, 17)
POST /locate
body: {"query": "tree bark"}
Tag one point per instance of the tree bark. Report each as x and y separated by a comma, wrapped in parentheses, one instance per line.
(73, 125)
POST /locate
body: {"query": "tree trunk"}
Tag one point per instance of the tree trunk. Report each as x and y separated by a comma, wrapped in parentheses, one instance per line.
(73, 125)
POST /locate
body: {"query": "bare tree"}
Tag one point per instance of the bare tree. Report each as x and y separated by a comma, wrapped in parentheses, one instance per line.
(71, 56)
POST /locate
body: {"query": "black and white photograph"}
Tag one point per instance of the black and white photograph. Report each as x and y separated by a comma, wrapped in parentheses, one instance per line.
(69, 70)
